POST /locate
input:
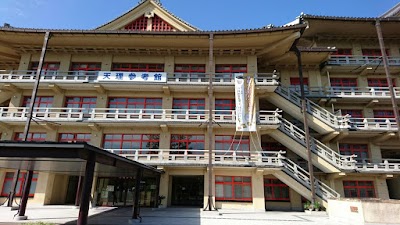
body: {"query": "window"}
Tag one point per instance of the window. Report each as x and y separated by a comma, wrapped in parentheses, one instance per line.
(137, 67)
(343, 52)
(226, 72)
(273, 146)
(233, 188)
(135, 103)
(344, 82)
(374, 52)
(276, 190)
(49, 68)
(187, 142)
(225, 106)
(85, 103)
(31, 137)
(379, 82)
(40, 102)
(230, 143)
(86, 66)
(295, 83)
(190, 68)
(70, 137)
(354, 113)
(359, 189)
(383, 114)
(160, 25)
(196, 106)
(8, 182)
(132, 141)
(361, 150)
(139, 24)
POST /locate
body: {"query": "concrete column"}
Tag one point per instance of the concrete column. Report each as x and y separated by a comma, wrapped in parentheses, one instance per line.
(7, 135)
(25, 61)
(52, 135)
(205, 201)
(368, 113)
(381, 188)
(102, 101)
(96, 138)
(106, 62)
(169, 66)
(164, 184)
(394, 49)
(375, 153)
(362, 81)
(295, 200)
(252, 64)
(47, 182)
(257, 186)
(357, 50)
(58, 100)
(16, 99)
(65, 62)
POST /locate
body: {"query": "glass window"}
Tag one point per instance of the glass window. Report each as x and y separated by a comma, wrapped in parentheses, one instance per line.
(196, 106)
(8, 182)
(233, 188)
(31, 137)
(276, 190)
(187, 142)
(230, 143)
(359, 189)
(361, 150)
(140, 142)
(137, 67)
(71, 137)
(344, 82)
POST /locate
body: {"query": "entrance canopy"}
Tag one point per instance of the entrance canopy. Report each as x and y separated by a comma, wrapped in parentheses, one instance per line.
(67, 158)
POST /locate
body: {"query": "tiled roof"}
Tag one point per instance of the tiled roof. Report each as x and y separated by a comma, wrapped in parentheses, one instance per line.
(159, 4)
(346, 18)
(392, 12)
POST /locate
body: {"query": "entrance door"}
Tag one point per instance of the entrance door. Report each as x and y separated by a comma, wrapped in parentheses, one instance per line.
(187, 191)
(71, 190)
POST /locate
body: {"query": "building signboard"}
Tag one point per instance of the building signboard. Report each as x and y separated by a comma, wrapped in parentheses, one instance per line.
(118, 76)
(245, 107)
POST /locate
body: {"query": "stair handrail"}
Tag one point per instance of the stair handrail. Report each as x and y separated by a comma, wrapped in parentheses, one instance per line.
(338, 160)
(301, 175)
(339, 122)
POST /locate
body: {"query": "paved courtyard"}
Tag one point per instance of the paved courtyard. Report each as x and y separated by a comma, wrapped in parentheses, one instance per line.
(170, 216)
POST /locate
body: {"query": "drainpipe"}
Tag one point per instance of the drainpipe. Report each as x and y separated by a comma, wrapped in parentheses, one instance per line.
(387, 71)
(210, 203)
(28, 181)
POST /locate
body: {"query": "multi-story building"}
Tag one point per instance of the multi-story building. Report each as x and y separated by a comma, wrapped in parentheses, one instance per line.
(139, 86)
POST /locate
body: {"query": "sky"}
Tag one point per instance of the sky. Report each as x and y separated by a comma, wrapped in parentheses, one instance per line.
(204, 14)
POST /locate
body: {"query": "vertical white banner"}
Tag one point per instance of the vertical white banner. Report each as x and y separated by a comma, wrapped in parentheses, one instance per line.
(240, 102)
(245, 105)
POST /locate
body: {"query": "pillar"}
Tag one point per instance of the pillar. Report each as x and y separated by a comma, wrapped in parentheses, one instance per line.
(164, 183)
(87, 187)
(257, 186)
(25, 61)
(137, 194)
(375, 153)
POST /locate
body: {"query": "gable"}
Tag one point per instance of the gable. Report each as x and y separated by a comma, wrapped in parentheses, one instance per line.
(148, 16)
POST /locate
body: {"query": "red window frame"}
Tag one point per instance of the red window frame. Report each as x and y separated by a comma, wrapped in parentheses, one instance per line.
(233, 183)
(8, 180)
(139, 24)
(379, 82)
(276, 190)
(295, 81)
(31, 137)
(361, 150)
(189, 104)
(81, 66)
(241, 144)
(354, 113)
(134, 103)
(74, 137)
(47, 66)
(354, 189)
(187, 142)
(127, 141)
(383, 113)
(138, 67)
(272, 146)
(225, 105)
(373, 52)
(158, 24)
(344, 82)
(343, 52)
(80, 102)
(231, 68)
(190, 68)
(40, 102)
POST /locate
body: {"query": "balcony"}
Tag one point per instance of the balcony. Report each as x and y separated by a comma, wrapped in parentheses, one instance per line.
(182, 157)
(16, 115)
(24, 79)
(386, 166)
(373, 124)
(362, 60)
(350, 92)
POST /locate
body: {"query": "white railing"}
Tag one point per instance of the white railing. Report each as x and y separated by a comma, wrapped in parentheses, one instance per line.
(387, 165)
(135, 115)
(303, 177)
(91, 76)
(362, 60)
(317, 147)
(200, 157)
(314, 109)
(374, 124)
(350, 92)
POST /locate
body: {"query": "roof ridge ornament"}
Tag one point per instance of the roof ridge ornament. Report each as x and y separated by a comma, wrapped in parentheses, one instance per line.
(155, 1)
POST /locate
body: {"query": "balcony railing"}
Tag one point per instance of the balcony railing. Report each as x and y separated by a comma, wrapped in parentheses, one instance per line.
(18, 114)
(24, 76)
(200, 157)
(349, 92)
(387, 165)
(362, 60)
(374, 124)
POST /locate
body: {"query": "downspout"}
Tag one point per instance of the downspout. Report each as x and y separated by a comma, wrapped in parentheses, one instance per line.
(304, 111)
